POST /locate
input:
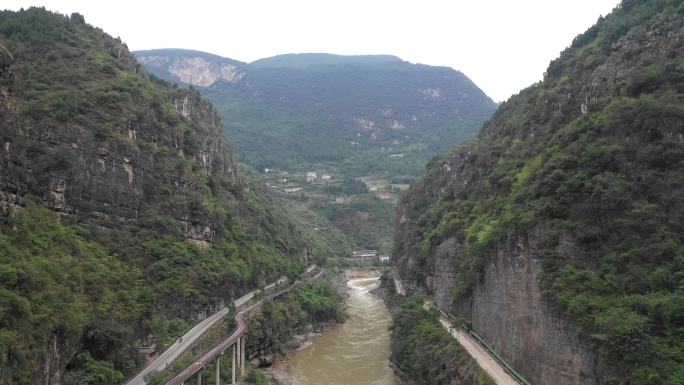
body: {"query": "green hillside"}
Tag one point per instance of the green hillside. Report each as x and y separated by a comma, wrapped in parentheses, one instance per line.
(293, 111)
(582, 175)
(374, 118)
(303, 60)
(124, 213)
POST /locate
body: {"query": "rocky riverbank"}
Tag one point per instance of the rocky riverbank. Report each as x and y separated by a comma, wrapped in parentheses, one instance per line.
(276, 368)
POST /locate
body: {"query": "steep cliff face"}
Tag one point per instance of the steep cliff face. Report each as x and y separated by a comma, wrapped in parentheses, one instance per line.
(107, 167)
(508, 307)
(547, 231)
(12, 186)
(192, 67)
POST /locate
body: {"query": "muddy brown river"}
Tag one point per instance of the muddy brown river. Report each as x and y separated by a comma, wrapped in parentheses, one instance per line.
(356, 352)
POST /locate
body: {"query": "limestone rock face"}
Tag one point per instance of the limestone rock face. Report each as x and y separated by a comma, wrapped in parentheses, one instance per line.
(509, 309)
(198, 71)
(213, 155)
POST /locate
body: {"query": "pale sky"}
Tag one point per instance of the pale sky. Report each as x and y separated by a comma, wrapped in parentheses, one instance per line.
(502, 45)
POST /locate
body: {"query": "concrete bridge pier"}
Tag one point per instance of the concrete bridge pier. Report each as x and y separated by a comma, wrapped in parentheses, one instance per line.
(238, 352)
(242, 355)
(218, 369)
(234, 363)
(199, 378)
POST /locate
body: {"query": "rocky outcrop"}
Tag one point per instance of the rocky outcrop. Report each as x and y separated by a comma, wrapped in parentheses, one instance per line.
(213, 153)
(443, 281)
(203, 70)
(61, 350)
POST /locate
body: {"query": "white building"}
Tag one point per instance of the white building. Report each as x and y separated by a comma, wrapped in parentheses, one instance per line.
(364, 253)
(311, 176)
(325, 177)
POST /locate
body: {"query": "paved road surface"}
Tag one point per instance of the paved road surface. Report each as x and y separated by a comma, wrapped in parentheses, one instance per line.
(486, 362)
(178, 347)
(241, 328)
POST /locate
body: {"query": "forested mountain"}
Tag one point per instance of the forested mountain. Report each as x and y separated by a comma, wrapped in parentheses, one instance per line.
(372, 118)
(304, 60)
(559, 229)
(123, 212)
(367, 113)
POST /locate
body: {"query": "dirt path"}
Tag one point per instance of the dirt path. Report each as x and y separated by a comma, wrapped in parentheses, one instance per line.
(486, 362)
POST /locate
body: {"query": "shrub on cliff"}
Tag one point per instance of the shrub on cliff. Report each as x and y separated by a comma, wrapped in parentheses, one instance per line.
(426, 352)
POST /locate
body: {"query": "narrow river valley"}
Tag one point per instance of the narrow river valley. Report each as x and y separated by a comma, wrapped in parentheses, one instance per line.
(356, 352)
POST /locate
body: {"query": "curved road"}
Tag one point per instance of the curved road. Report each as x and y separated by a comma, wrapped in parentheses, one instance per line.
(179, 347)
(216, 351)
(240, 329)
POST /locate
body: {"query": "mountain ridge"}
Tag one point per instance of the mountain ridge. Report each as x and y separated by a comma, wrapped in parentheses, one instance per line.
(351, 107)
(303, 60)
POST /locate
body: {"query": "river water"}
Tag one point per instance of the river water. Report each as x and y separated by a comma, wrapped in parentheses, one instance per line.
(354, 353)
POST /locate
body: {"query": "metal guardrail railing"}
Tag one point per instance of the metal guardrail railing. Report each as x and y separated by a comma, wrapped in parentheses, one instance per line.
(468, 328)
(496, 356)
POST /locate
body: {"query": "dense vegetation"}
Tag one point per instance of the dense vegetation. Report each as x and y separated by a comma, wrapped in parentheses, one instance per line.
(355, 116)
(134, 178)
(589, 159)
(305, 60)
(272, 326)
(55, 286)
(294, 111)
(368, 221)
(426, 352)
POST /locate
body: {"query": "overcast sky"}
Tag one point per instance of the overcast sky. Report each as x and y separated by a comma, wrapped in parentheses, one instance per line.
(502, 45)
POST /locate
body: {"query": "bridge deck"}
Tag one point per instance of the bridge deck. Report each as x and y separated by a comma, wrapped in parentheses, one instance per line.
(240, 330)
(183, 344)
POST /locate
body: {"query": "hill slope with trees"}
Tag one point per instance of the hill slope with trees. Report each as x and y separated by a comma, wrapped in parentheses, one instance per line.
(292, 111)
(558, 230)
(123, 212)
(370, 118)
